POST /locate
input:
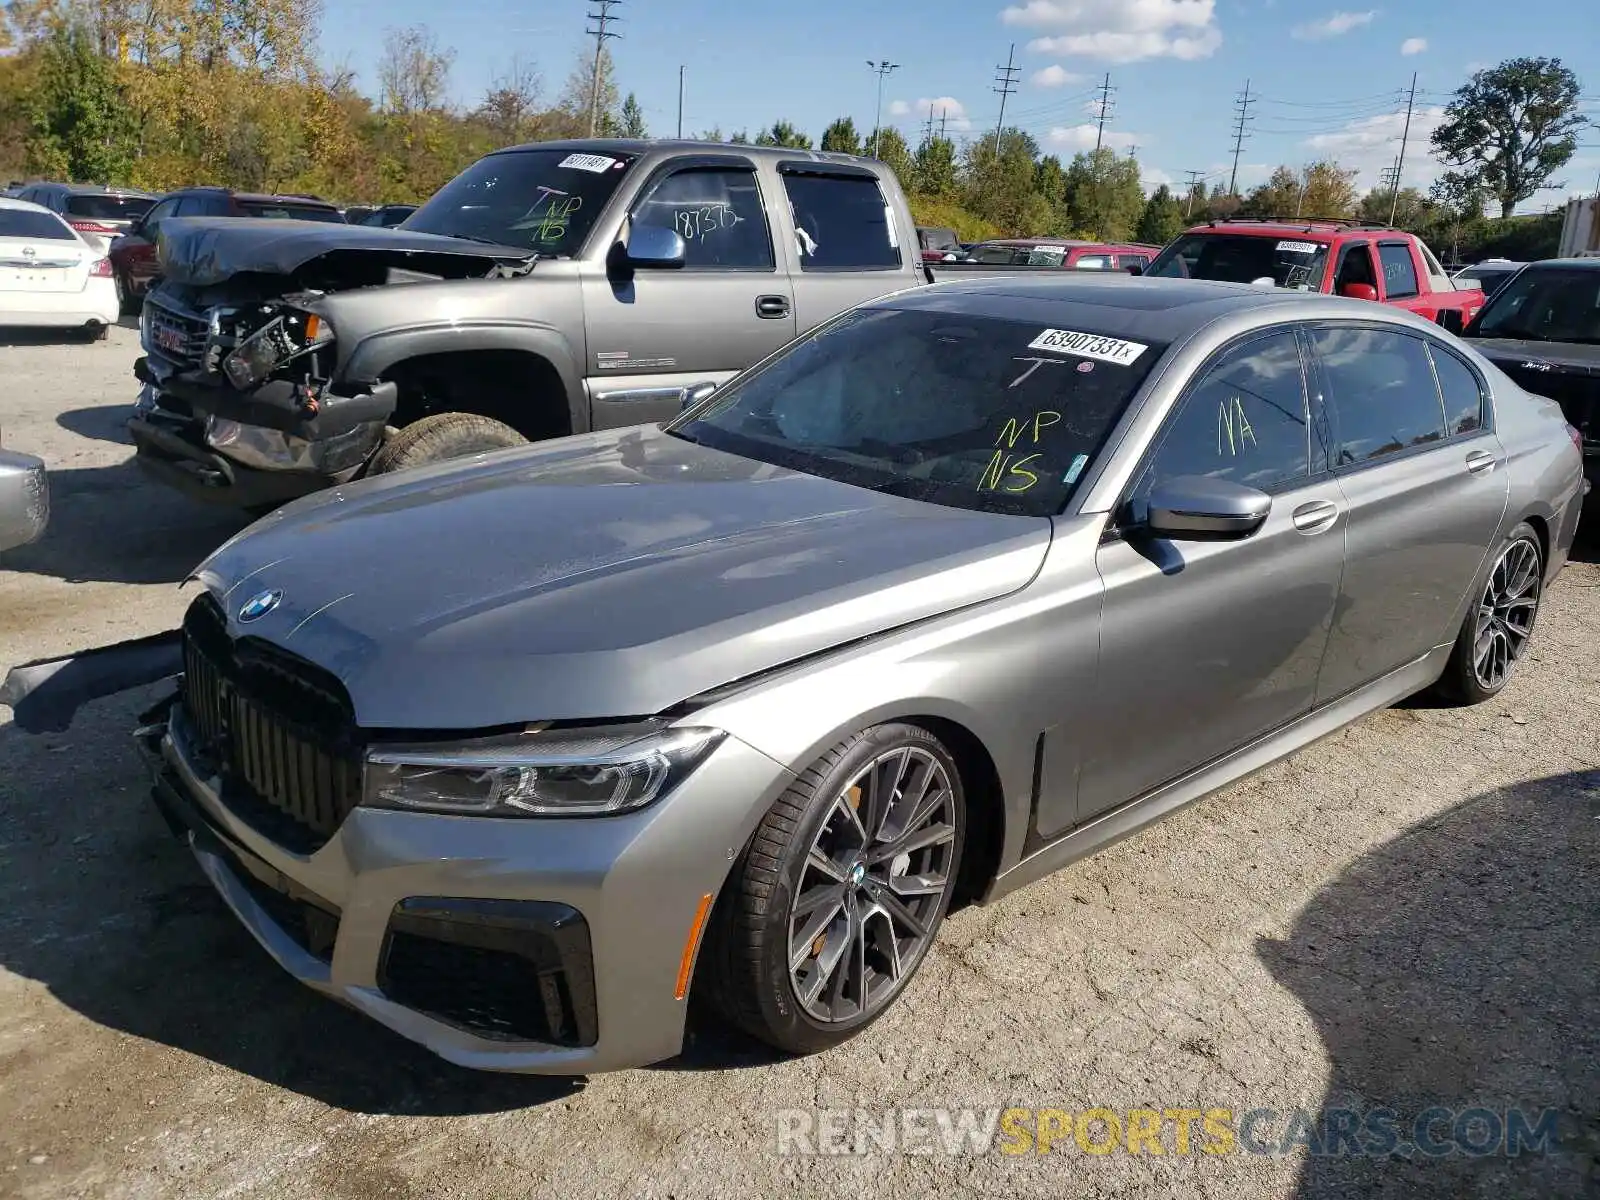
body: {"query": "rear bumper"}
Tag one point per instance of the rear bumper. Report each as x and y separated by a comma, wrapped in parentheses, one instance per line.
(24, 499)
(96, 304)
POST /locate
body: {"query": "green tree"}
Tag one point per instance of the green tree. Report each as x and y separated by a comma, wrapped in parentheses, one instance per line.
(1162, 219)
(1512, 127)
(631, 121)
(1329, 190)
(841, 137)
(783, 134)
(1000, 188)
(896, 155)
(1279, 196)
(933, 168)
(1412, 210)
(79, 127)
(578, 96)
(1104, 196)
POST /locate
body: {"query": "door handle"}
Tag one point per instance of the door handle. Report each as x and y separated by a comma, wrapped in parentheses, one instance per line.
(1480, 462)
(772, 307)
(1314, 516)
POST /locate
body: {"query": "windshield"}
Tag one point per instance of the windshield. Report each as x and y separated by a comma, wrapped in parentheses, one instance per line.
(1000, 254)
(1244, 258)
(108, 208)
(971, 412)
(1546, 304)
(544, 200)
(33, 226)
(280, 211)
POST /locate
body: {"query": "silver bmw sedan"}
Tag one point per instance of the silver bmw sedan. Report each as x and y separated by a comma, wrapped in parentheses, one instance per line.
(515, 754)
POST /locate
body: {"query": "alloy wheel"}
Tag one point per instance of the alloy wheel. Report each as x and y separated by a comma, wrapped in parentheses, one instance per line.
(873, 885)
(1506, 614)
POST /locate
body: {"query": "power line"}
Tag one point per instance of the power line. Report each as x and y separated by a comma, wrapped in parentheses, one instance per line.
(1006, 77)
(601, 35)
(1242, 108)
(1400, 163)
(882, 69)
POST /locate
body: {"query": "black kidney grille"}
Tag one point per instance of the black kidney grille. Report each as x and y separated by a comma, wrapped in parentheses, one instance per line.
(279, 731)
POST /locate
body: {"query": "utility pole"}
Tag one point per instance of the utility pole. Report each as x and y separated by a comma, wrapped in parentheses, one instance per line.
(1400, 163)
(1188, 200)
(600, 34)
(680, 101)
(882, 68)
(1006, 78)
(944, 124)
(1242, 106)
(1105, 110)
(927, 129)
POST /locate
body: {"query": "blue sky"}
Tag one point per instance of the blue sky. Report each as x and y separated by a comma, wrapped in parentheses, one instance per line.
(1330, 77)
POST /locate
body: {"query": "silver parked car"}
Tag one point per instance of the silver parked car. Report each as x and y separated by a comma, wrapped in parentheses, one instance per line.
(511, 753)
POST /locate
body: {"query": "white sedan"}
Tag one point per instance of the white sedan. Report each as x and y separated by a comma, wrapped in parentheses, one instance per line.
(50, 275)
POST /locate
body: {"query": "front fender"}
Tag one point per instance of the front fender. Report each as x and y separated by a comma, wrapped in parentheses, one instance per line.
(375, 354)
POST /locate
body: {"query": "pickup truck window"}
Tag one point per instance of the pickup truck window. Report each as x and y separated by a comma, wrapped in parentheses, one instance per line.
(970, 412)
(1355, 266)
(841, 223)
(1545, 304)
(1244, 258)
(1094, 262)
(1399, 271)
(544, 200)
(718, 213)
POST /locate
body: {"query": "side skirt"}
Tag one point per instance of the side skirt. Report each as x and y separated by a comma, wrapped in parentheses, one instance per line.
(1119, 823)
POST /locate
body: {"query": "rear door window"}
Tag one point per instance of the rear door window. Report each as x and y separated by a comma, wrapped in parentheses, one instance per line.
(1381, 386)
(718, 213)
(1462, 390)
(841, 222)
(1399, 271)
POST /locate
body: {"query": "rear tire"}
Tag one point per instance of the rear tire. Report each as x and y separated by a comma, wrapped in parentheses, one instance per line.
(838, 897)
(441, 437)
(127, 302)
(1496, 631)
(96, 333)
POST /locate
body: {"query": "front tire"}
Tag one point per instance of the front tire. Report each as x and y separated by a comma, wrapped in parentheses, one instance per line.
(1496, 631)
(838, 898)
(441, 437)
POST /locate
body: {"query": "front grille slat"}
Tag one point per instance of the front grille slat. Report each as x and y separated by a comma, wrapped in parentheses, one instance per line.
(281, 732)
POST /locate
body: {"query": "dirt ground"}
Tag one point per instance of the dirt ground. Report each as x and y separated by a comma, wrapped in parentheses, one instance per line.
(1405, 915)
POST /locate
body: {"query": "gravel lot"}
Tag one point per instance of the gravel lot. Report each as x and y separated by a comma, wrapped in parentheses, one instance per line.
(1406, 914)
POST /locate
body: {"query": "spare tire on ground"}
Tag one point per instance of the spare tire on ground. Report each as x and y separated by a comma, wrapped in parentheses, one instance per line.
(440, 437)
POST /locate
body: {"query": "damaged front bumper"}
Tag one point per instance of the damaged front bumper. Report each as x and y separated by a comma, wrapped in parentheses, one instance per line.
(197, 433)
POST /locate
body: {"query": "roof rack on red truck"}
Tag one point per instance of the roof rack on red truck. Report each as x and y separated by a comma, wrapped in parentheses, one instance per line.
(1333, 255)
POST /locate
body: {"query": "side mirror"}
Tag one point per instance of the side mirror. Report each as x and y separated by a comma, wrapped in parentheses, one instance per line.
(1452, 319)
(1134, 269)
(1359, 291)
(696, 392)
(654, 247)
(1200, 507)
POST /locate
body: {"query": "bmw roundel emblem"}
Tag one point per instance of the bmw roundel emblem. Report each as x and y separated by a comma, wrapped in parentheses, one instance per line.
(259, 606)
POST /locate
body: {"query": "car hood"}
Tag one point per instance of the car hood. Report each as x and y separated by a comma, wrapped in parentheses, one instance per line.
(205, 251)
(604, 575)
(1576, 358)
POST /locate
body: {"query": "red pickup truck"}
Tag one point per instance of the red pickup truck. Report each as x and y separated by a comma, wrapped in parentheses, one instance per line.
(1364, 262)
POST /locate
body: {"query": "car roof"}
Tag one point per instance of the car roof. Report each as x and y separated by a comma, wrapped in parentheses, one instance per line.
(1581, 264)
(251, 197)
(27, 206)
(687, 146)
(1311, 227)
(96, 189)
(1159, 309)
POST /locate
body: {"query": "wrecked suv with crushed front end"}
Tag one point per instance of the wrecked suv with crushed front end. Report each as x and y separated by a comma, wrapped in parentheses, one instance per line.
(251, 392)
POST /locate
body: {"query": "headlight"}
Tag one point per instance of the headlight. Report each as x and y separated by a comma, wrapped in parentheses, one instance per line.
(274, 344)
(577, 773)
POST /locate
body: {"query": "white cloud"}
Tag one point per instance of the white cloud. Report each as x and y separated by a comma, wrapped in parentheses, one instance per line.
(1413, 46)
(1081, 137)
(1333, 25)
(1120, 31)
(1054, 76)
(943, 108)
(1371, 144)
